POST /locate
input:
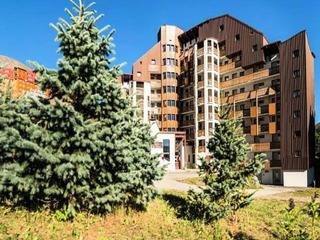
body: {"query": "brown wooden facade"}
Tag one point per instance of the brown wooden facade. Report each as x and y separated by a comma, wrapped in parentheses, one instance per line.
(297, 108)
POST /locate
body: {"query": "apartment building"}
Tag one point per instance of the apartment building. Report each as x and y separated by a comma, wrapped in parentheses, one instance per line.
(22, 79)
(184, 79)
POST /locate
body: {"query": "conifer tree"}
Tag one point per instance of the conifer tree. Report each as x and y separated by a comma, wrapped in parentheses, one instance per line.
(226, 173)
(82, 147)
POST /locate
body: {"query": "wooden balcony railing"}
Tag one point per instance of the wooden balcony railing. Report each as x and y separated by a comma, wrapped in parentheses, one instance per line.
(156, 97)
(201, 133)
(227, 67)
(187, 123)
(201, 84)
(190, 136)
(188, 109)
(201, 149)
(244, 79)
(272, 108)
(201, 117)
(272, 127)
(260, 147)
(200, 52)
(201, 100)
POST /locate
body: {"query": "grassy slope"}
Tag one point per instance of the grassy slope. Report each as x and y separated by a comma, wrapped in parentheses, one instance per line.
(258, 221)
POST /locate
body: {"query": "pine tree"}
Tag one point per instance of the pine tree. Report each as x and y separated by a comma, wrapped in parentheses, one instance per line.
(82, 148)
(226, 174)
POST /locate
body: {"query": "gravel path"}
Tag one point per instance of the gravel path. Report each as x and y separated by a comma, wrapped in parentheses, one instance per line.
(170, 181)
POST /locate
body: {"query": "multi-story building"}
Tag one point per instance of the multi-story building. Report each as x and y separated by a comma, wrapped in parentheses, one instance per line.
(187, 76)
(21, 78)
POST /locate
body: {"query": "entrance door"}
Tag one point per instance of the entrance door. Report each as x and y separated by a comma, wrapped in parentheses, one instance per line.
(277, 176)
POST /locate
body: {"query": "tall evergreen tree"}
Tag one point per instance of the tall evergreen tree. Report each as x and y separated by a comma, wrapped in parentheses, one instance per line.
(226, 173)
(82, 146)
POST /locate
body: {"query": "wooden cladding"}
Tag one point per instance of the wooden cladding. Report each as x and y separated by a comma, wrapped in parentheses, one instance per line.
(296, 73)
(236, 35)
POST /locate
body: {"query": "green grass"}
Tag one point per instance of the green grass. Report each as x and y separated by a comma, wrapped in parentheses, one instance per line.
(260, 220)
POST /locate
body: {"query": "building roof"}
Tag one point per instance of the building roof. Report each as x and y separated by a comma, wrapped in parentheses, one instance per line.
(11, 63)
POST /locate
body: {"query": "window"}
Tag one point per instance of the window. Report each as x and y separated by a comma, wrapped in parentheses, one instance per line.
(242, 74)
(241, 90)
(226, 78)
(297, 113)
(295, 53)
(226, 94)
(234, 91)
(138, 74)
(297, 153)
(237, 37)
(155, 76)
(258, 85)
(221, 28)
(255, 48)
(166, 145)
(296, 93)
(234, 75)
(296, 73)
(297, 133)
(153, 61)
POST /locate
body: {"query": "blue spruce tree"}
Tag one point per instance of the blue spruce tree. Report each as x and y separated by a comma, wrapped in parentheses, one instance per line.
(80, 147)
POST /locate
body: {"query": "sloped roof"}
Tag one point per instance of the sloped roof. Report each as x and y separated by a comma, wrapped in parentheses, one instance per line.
(11, 63)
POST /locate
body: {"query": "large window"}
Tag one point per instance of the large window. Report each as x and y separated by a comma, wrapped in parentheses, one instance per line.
(166, 145)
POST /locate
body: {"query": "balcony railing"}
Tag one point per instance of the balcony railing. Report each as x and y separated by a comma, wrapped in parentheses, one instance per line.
(274, 70)
(201, 84)
(187, 123)
(201, 117)
(245, 79)
(188, 109)
(201, 133)
(260, 147)
(264, 127)
(201, 100)
(190, 136)
(246, 112)
(201, 149)
(275, 145)
(156, 97)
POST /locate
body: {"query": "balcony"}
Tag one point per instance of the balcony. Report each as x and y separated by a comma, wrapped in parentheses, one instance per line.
(244, 79)
(201, 149)
(200, 52)
(272, 109)
(264, 109)
(190, 137)
(201, 117)
(186, 96)
(188, 109)
(156, 97)
(201, 101)
(272, 128)
(260, 147)
(227, 67)
(275, 145)
(246, 112)
(187, 123)
(254, 130)
(246, 130)
(255, 111)
(274, 70)
(264, 127)
(201, 133)
(201, 84)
